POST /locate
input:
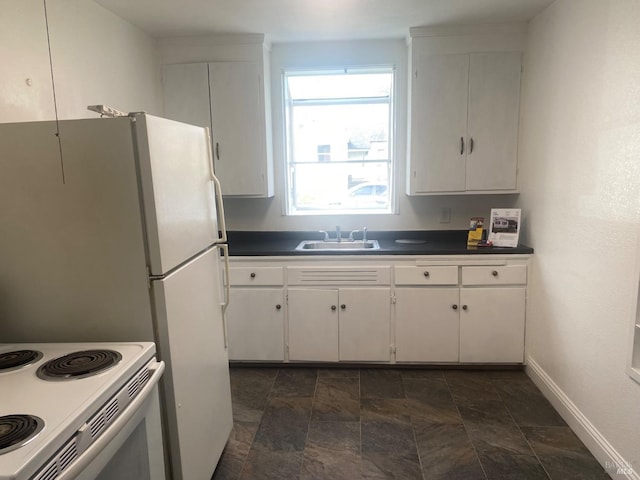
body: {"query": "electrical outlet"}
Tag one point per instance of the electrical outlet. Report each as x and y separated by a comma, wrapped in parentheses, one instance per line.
(445, 215)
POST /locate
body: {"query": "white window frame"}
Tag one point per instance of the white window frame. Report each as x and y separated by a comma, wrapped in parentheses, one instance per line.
(392, 161)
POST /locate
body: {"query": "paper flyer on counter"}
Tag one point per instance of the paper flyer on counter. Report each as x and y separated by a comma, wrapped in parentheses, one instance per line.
(504, 227)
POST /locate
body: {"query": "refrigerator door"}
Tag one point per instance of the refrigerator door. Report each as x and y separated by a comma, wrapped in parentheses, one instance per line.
(195, 386)
(178, 190)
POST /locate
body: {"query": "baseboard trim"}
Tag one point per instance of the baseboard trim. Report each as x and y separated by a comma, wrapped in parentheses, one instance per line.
(605, 453)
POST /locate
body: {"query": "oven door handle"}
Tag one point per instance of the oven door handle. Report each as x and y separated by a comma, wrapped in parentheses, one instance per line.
(73, 470)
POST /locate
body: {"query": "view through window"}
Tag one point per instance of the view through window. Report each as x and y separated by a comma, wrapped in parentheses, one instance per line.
(339, 145)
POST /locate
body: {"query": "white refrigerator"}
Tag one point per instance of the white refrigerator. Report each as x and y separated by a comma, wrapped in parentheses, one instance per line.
(111, 230)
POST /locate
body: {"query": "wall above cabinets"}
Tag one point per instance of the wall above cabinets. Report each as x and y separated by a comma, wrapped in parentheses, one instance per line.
(463, 109)
(227, 90)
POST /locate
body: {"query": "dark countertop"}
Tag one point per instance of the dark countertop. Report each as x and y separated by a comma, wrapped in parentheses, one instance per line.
(436, 242)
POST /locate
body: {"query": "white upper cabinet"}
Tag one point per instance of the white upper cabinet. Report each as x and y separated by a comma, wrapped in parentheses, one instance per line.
(464, 109)
(232, 99)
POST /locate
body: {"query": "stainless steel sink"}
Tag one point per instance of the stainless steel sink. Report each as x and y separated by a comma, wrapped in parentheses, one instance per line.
(332, 245)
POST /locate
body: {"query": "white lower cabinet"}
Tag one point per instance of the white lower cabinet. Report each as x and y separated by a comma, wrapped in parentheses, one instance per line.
(427, 324)
(345, 324)
(255, 324)
(492, 325)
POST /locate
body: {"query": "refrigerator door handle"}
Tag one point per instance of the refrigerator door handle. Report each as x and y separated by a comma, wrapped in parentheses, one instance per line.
(218, 193)
(227, 291)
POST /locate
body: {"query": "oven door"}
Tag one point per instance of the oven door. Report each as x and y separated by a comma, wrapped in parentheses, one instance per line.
(131, 448)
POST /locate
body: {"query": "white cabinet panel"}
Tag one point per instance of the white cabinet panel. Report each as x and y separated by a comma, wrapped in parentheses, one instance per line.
(439, 123)
(313, 324)
(495, 275)
(256, 276)
(427, 275)
(364, 324)
(427, 324)
(186, 93)
(255, 324)
(492, 325)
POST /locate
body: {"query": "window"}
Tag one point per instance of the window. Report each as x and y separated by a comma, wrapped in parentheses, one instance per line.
(339, 141)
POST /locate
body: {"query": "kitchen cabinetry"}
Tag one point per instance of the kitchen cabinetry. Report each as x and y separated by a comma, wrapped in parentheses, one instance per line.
(464, 122)
(480, 321)
(349, 323)
(442, 309)
(345, 324)
(232, 99)
(256, 314)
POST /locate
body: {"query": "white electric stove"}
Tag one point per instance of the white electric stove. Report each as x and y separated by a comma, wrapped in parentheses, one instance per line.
(67, 410)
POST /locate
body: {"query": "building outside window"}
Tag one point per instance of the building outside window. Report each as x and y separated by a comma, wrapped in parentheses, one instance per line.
(339, 140)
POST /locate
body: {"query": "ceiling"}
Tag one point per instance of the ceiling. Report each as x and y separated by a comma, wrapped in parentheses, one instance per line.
(315, 20)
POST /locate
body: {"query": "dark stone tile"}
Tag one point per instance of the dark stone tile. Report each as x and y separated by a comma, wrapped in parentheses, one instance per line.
(429, 399)
(385, 409)
(470, 386)
(284, 424)
(512, 467)
(336, 399)
(338, 373)
(492, 430)
(332, 451)
(421, 374)
(389, 451)
(446, 452)
(527, 404)
(265, 464)
(250, 388)
(381, 383)
(235, 451)
(563, 455)
(295, 382)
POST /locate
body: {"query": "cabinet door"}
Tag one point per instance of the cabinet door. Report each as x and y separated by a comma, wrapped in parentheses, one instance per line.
(313, 324)
(238, 127)
(185, 90)
(364, 324)
(494, 92)
(439, 123)
(492, 325)
(427, 324)
(255, 324)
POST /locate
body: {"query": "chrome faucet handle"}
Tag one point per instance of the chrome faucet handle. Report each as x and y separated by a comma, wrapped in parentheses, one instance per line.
(364, 234)
(338, 234)
(326, 235)
(351, 234)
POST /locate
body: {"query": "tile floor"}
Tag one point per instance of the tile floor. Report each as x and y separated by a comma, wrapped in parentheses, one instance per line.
(301, 423)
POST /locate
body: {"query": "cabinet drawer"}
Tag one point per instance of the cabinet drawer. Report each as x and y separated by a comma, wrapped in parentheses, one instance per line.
(256, 276)
(495, 275)
(438, 275)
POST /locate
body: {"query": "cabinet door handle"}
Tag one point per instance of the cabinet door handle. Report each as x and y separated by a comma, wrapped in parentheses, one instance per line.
(217, 151)
(455, 307)
(426, 274)
(343, 306)
(494, 273)
(464, 307)
(278, 307)
(471, 145)
(461, 145)
(333, 307)
(252, 274)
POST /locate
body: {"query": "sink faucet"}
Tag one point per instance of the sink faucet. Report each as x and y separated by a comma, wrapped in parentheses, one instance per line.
(326, 235)
(338, 234)
(363, 231)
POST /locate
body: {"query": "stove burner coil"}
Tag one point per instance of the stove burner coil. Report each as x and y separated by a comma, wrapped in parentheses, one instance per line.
(79, 364)
(18, 358)
(18, 430)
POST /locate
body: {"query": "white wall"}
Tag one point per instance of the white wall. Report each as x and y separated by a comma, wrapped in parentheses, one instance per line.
(580, 184)
(97, 58)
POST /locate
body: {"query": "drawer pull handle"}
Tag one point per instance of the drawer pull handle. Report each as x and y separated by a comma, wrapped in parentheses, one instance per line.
(278, 307)
(464, 307)
(426, 274)
(343, 306)
(252, 274)
(494, 273)
(455, 307)
(333, 307)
